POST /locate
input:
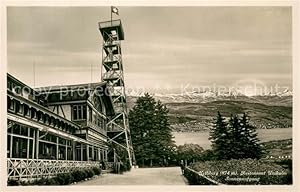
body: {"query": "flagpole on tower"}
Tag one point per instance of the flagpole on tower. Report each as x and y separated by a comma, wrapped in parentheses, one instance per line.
(114, 10)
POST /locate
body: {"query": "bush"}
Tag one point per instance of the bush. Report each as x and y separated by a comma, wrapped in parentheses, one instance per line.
(97, 170)
(41, 181)
(90, 173)
(125, 166)
(288, 164)
(207, 155)
(63, 179)
(51, 181)
(79, 175)
(13, 182)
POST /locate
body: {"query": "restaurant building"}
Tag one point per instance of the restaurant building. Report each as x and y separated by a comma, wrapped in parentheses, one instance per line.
(55, 129)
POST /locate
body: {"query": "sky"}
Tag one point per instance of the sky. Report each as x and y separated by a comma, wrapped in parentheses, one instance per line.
(165, 48)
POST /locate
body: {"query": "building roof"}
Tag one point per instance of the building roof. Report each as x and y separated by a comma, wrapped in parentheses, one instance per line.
(55, 88)
(52, 92)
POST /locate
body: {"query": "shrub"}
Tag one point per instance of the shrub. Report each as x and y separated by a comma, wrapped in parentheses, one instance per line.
(116, 167)
(63, 179)
(13, 182)
(288, 164)
(84, 174)
(125, 166)
(25, 183)
(97, 170)
(207, 155)
(51, 181)
(78, 175)
(41, 181)
(90, 173)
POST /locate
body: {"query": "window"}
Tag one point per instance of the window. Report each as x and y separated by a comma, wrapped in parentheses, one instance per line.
(79, 112)
(47, 150)
(75, 117)
(20, 141)
(70, 153)
(47, 137)
(19, 147)
(95, 118)
(33, 113)
(61, 152)
(20, 130)
(104, 124)
(84, 112)
(19, 107)
(26, 110)
(10, 104)
(62, 141)
(9, 85)
(90, 114)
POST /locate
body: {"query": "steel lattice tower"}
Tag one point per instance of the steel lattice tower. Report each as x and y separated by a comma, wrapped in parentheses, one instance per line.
(112, 72)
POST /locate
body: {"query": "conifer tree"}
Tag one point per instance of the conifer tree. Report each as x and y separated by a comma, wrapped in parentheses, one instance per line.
(251, 147)
(235, 140)
(150, 131)
(219, 137)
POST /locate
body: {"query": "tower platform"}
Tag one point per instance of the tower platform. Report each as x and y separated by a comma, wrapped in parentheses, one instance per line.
(109, 28)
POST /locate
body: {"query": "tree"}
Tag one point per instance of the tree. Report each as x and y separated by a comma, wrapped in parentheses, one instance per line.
(189, 152)
(150, 131)
(251, 147)
(219, 136)
(236, 139)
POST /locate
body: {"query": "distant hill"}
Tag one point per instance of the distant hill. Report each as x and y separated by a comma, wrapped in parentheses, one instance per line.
(197, 113)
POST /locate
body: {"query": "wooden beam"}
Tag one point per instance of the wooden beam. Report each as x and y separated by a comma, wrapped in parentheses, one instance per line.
(62, 111)
(57, 148)
(66, 152)
(33, 144)
(37, 139)
(87, 152)
(93, 153)
(11, 144)
(74, 150)
(28, 141)
(81, 151)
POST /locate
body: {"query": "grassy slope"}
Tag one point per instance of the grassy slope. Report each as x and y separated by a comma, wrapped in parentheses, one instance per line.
(278, 148)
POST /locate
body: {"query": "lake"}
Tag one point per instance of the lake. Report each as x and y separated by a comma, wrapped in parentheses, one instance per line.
(201, 138)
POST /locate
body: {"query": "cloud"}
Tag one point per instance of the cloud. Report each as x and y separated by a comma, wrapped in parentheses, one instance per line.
(163, 45)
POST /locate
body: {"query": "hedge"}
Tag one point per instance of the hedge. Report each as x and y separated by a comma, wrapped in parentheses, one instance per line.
(61, 178)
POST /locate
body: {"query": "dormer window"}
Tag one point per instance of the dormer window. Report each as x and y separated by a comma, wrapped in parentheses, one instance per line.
(26, 110)
(79, 112)
(10, 104)
(19, 107)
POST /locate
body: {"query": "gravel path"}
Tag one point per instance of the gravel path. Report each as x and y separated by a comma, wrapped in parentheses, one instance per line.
(141, 176)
